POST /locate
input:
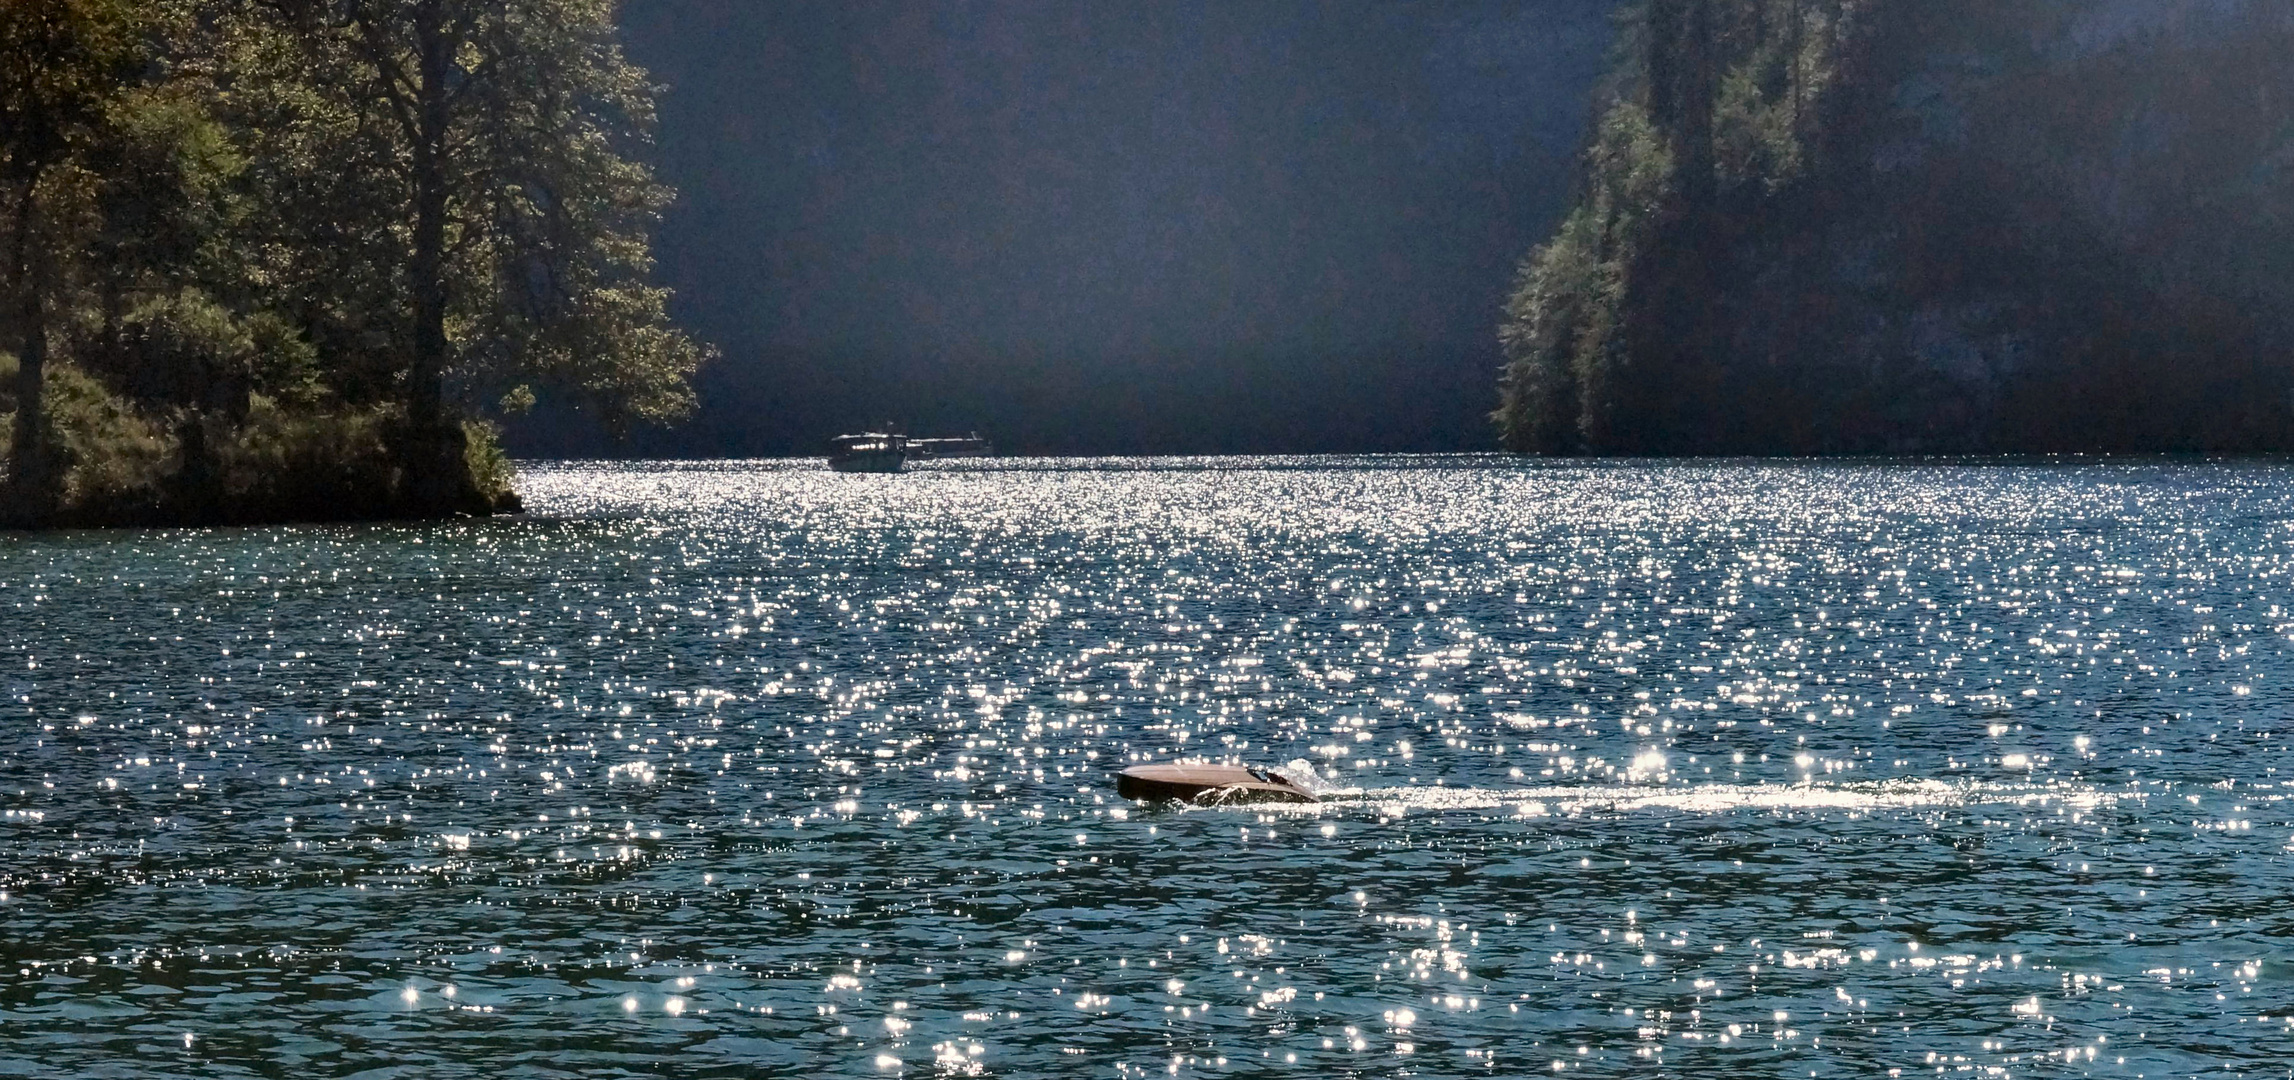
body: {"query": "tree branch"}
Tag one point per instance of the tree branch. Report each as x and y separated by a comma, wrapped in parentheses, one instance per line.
(398, 90)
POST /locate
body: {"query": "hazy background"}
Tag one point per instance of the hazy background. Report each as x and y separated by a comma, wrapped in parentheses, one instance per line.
(1157, 226)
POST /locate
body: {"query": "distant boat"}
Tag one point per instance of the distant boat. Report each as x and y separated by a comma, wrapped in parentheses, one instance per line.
(971, 445)
(1208, 785)
(874, 452)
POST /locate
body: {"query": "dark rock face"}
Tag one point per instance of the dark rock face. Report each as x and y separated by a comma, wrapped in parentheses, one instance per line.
(1853, 226)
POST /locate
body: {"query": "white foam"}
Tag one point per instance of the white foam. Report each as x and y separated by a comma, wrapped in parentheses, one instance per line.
(1301, 772)
(1565, 800)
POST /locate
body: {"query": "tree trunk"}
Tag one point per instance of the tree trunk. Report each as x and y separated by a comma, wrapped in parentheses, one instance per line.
(435, 465)
(424, 398)
(31, 494)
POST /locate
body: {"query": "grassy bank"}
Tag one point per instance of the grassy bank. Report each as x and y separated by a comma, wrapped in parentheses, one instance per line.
(122, 464)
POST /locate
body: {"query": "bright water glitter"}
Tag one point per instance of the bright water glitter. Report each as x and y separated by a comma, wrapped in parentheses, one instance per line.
(1722, 770)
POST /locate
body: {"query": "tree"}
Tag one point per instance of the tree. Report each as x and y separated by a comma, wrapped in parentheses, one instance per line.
(468, 156)
(1889, 226)
(1610, 333)
(63, 65)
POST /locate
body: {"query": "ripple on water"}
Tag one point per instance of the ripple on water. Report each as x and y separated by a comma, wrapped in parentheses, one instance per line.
(1731, 768)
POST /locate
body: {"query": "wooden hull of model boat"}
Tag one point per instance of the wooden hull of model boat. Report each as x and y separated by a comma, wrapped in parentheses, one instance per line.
(1207, 784)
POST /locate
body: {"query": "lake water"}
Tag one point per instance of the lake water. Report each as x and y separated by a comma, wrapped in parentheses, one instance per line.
(744, 769)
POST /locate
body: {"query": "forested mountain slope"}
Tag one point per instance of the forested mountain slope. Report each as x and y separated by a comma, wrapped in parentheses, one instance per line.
(1883, 226)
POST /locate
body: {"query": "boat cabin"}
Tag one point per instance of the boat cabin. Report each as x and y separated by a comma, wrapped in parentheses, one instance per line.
(874, 452)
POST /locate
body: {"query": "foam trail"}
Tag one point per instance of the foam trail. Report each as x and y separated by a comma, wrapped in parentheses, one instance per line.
(1565, 800)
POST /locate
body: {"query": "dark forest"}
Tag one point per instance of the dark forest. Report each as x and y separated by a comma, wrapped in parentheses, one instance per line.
(1920, 226)
(286, 260)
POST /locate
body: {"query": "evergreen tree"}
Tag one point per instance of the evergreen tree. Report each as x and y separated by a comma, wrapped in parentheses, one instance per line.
(64, 65)
(1887, 226)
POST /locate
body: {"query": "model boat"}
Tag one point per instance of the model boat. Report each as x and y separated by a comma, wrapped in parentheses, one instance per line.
(1208, 785)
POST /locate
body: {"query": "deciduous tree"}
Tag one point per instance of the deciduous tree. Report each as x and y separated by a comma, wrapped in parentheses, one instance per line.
(475, 155)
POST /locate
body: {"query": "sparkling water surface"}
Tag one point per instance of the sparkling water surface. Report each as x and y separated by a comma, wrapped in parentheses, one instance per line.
(754, 769)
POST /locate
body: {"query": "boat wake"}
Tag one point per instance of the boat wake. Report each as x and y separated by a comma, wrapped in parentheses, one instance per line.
(1570, 800)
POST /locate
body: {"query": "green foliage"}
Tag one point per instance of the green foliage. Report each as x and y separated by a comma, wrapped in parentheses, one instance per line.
(1560, 332)
(185, 347)
(62, 64)
(491, 471)
(275, 259)
(114, 462)
(8, 371)
(490, 143)
(286, 465)
(67, 59)
(125, 465)
(169, 203)
(1710, 102)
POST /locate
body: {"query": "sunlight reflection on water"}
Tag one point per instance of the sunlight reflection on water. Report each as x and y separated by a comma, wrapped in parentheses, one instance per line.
(1723, 768)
